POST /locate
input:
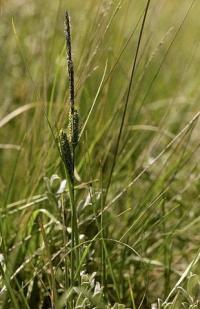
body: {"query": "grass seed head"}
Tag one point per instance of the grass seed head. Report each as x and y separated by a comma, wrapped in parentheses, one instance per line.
(66, 153)
(73, 128)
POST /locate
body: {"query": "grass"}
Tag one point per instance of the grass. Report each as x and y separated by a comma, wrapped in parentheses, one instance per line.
(114, 222)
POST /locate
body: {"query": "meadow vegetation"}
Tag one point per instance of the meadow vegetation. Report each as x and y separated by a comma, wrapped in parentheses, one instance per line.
(99, 185)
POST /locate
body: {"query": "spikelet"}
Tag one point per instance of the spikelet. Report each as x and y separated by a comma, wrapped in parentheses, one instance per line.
(66, 153)
(73, 128)
(70, 65)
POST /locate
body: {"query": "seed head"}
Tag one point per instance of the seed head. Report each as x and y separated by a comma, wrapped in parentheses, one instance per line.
(66, 153)
(73, 128)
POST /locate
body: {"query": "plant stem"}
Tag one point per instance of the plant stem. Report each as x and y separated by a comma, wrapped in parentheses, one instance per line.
(74, 225)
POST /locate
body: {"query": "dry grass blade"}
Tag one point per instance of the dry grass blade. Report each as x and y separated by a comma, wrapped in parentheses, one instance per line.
(15, 113)
(185, 129)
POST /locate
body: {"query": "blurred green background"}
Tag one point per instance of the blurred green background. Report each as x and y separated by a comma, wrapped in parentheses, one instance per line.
(32, 63)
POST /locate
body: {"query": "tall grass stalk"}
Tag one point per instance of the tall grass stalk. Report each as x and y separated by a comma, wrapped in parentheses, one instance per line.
(127, 100)
(68, 144)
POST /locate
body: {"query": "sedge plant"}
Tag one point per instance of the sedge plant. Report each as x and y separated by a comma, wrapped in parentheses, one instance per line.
(68, 140)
